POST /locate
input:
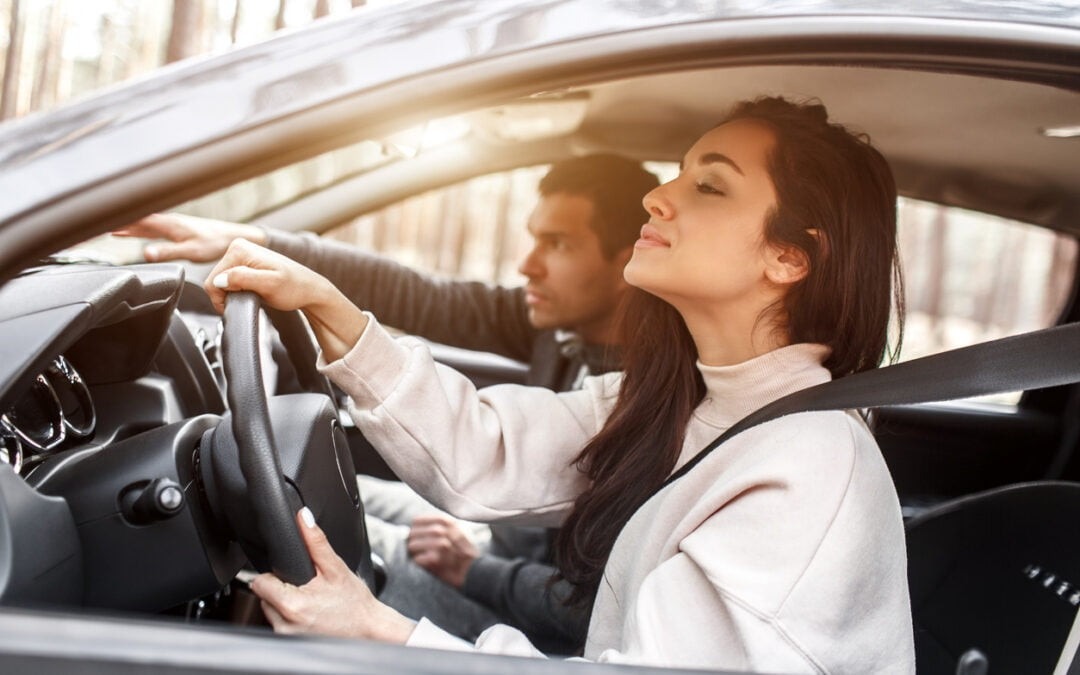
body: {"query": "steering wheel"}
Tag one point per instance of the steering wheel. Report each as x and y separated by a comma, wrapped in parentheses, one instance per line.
(300, 349)
(269, 457)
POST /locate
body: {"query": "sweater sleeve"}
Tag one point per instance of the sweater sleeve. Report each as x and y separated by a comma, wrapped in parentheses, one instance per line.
(504, 453)
(464, 314)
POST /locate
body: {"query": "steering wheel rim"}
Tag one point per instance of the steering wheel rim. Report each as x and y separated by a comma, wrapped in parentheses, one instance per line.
(299, 346)
(258, 456)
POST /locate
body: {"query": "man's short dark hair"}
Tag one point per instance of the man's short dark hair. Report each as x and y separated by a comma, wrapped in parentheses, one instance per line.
(615, 185)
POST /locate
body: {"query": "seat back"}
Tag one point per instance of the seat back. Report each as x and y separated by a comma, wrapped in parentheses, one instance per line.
(998, 572)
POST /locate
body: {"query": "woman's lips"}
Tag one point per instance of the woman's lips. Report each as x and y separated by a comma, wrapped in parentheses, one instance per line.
(650, 238)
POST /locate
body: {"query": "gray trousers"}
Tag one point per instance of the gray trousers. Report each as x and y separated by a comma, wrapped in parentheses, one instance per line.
(390, 507)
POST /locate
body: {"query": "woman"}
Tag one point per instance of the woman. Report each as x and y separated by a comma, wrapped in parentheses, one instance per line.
(767, 266)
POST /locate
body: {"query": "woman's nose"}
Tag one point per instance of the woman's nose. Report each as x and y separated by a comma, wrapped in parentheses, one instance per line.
(657, 203)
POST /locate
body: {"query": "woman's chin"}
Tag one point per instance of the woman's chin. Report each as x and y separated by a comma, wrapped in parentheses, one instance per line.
(643, 279)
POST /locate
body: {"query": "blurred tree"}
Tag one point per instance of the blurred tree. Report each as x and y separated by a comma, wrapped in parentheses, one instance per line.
(322, 8)
(50, 53)
(144, 53)
(185, 34)
(110, 44)
(234, 26)
(279, 20)
(12, 59)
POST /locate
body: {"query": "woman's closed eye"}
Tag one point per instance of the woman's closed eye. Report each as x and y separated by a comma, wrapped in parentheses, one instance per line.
(709, 189)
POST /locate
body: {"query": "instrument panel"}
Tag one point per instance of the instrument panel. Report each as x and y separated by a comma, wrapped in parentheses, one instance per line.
(54, 413)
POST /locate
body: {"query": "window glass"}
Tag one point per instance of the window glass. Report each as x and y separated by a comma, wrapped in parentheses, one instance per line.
(969, 277)
(973, 277)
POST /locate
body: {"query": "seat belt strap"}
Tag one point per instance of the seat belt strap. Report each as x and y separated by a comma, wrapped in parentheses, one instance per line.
(1035, 360)
(1068, 663)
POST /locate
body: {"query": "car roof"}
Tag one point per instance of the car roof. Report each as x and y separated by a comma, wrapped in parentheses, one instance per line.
(994, 74)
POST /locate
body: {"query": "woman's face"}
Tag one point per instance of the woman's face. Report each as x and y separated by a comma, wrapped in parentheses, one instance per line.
(703, 248)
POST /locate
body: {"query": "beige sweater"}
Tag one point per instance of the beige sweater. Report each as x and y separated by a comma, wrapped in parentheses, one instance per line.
(783, 551)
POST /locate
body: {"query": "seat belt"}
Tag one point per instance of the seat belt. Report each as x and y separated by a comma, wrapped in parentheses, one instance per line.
(1068, 663)
(1035, 360)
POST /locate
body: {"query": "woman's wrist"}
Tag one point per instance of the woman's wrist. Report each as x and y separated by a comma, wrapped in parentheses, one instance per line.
(336, 322)
(392, 627)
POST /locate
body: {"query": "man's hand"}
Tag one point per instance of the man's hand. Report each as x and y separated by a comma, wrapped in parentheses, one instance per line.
(438, 545)
(334, 602)
(190, 238)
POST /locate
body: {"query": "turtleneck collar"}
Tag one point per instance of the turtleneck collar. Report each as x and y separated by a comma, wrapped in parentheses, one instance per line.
(733, 392)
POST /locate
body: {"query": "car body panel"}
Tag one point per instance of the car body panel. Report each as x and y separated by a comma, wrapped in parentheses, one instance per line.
(206, 123)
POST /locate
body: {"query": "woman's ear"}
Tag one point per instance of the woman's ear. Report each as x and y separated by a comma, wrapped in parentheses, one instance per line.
(786, 265)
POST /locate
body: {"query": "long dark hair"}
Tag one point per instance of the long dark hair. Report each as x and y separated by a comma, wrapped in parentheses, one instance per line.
(836, 202)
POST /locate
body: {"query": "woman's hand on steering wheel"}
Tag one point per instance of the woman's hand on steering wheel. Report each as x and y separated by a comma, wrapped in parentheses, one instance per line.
(335, 602)
(287, 285)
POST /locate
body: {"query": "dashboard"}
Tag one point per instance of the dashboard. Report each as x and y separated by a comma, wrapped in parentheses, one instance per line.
(123, 479)
(107, 386)
(92, 354)
(57, 411)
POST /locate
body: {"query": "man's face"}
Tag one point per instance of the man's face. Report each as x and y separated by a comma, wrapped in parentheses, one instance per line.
(571, 284)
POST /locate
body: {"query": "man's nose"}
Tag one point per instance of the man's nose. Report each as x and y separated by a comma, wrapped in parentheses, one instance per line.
(531, 265)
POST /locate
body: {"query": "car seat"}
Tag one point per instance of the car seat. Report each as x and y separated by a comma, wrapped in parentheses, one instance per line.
(995, 579)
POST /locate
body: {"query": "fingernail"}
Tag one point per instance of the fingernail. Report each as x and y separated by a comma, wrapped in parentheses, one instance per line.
(150, 252)
(307, 517)
(222, 280)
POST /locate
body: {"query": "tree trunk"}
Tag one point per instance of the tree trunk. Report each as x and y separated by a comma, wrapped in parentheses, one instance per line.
(145, 53)
(9, 94)
(49, 54)
(184, 34)
(322, 8)
(279, 20)
(358, 3)
(107, 62)
(234, 27)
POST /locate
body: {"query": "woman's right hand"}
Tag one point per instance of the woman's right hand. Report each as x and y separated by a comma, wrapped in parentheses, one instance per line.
(285, 284)
(335, 602)
(189, 237)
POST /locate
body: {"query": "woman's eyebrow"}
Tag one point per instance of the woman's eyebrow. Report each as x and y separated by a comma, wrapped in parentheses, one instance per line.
(718, 158)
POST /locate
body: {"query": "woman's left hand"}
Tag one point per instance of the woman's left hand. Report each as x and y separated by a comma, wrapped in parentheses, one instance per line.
(335, 602)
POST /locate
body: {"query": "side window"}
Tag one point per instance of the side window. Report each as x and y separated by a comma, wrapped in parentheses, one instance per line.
(970, 277)
(472, 230)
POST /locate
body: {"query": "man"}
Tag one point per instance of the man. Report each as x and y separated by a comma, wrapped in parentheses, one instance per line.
(561, 322)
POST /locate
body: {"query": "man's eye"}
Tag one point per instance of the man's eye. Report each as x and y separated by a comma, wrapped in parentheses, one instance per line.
(706, 189)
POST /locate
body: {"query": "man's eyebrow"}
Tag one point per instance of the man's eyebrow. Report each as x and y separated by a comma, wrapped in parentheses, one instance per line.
(549, 234)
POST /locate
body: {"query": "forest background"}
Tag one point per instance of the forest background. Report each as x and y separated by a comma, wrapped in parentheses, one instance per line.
(55, 50)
